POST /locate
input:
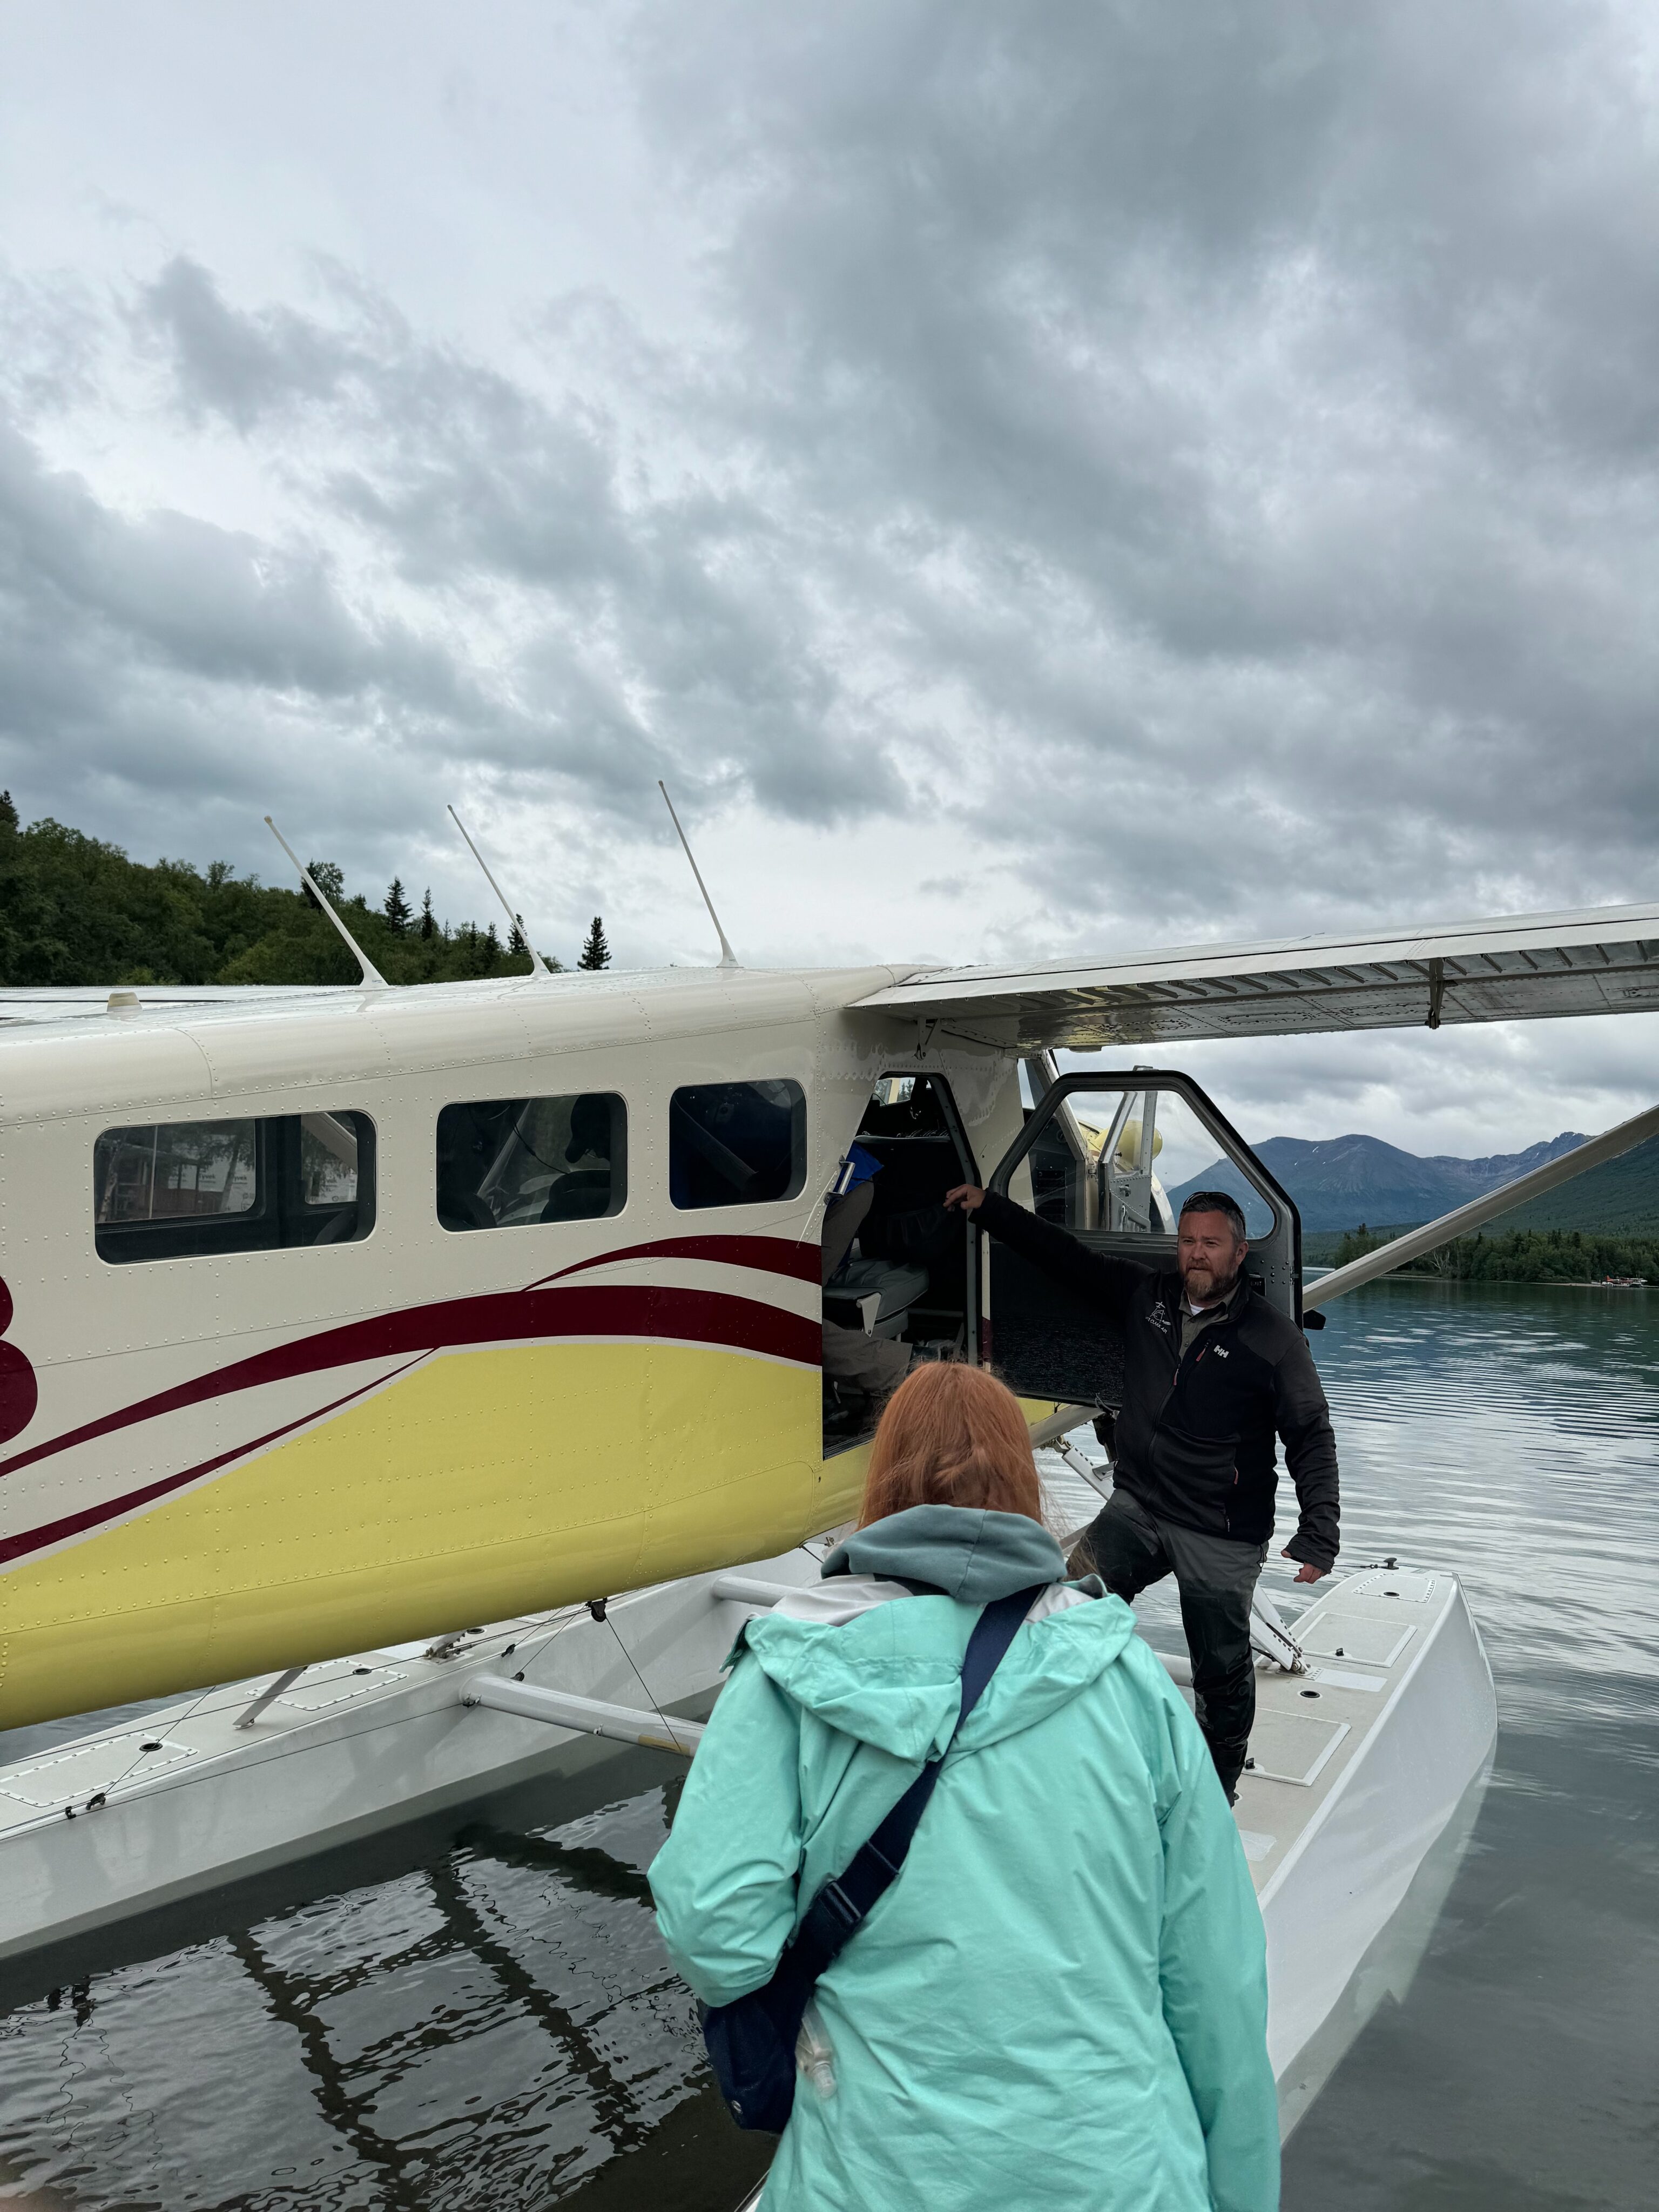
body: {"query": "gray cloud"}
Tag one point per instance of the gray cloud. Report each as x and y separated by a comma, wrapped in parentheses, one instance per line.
(1194, 474)
(476, 486)
(163, 678)
(240, 367)
(1278, 396)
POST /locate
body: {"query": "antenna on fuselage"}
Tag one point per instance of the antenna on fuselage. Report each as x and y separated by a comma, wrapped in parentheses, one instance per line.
(537, 963)
(372, 975)
(728, 957)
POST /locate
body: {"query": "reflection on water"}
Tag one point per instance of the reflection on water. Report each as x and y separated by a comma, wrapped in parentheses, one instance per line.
(496, 2026)
(484, 2018)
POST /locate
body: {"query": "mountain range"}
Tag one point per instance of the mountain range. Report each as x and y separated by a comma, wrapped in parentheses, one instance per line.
(1340, 1182)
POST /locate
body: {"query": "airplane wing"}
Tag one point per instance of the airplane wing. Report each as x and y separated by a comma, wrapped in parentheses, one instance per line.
(1508, 967)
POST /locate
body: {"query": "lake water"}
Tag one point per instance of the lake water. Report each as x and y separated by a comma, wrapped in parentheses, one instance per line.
(479, 2014)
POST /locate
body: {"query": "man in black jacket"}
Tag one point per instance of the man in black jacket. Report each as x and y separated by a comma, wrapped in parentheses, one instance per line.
(1211, 1373)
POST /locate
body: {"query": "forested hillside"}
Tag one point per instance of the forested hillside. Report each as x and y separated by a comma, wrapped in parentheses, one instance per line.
(1619, 1198)
(74, 910)
(1525, 1255)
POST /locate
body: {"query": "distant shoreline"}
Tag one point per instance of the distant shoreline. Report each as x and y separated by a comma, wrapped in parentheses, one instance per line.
(1316, 1274)
(1496, 1255)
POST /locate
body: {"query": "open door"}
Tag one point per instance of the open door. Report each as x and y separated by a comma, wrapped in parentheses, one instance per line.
(1108, 1156)
(911, 1275)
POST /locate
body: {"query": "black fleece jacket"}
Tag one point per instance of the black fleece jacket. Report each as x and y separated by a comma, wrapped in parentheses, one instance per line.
(1194, 1440)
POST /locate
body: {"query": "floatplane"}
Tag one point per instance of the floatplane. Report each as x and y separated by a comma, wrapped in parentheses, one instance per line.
(407, 1392)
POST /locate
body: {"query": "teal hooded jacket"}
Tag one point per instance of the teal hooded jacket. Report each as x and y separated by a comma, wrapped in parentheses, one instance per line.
(1062, 2001)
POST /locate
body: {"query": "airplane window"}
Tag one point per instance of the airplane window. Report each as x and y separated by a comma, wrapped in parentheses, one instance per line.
(1122, 1162)
(736, 1144)
(511, 1163)
(180, 1190)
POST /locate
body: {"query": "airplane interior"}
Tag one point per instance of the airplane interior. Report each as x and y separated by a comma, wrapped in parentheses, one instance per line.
(908, 1278)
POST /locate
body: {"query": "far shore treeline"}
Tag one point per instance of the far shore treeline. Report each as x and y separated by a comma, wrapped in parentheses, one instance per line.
(73, 910)
(1517, 1255)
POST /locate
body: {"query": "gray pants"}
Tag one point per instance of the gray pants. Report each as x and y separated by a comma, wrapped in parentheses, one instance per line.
(875, 1363)
(1216, 1577)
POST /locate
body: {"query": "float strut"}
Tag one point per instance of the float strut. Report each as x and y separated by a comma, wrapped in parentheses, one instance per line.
(584, 1715)
(270, 1697)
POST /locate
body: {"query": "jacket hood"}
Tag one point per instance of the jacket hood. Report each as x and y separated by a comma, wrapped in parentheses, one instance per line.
(891, 1675)
(969, 1553)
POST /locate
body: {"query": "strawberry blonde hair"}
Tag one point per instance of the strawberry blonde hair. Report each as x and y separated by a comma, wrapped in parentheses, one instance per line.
(951, 1435)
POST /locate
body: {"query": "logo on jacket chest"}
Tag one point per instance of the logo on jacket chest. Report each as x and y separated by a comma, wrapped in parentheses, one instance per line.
(1159, 1317)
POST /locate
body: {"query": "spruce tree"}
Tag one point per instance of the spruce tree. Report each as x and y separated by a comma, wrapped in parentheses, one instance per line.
(596, 953)
(428, 927)
(516, 945)
(330, 880)
(397, 908)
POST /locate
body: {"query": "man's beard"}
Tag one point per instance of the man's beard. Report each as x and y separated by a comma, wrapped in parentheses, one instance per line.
(1218, 1287)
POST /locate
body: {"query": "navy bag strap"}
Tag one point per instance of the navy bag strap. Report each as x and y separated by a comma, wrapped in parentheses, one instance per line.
(842, 1903)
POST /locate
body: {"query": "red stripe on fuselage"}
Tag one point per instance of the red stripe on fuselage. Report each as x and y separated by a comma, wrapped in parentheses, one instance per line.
(768, 1255)
(646, 1310)
(111, 1509)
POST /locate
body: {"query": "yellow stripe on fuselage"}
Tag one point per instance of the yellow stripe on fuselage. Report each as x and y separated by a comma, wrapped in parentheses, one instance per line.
(485, 1484)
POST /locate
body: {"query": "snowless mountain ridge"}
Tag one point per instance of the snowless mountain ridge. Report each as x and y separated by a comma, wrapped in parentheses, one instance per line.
(1337, 1183)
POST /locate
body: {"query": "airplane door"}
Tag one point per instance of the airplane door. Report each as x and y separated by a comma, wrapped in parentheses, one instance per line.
(1108, 1156)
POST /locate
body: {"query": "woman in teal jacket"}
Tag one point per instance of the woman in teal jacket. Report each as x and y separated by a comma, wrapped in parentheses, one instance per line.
(1061, 2000)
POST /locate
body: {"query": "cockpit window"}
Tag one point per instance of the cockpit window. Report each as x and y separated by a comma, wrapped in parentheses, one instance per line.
(736, 1144)
(178, 1190)
(511, 1163)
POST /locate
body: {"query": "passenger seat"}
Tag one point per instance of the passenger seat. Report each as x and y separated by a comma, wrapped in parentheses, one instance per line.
(898, 1287)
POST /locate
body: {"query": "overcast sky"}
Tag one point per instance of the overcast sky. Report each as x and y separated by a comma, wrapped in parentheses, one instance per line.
(1033, 478)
